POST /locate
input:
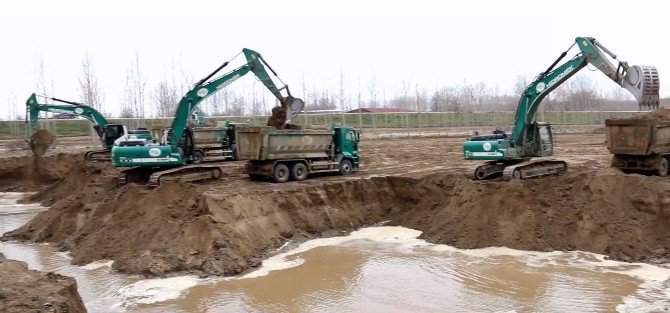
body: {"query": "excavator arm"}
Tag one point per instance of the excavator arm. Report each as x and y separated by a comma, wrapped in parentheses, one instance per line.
(41, 139)
(204, 88)
(79, 109)
(510, 155)
(641, 81)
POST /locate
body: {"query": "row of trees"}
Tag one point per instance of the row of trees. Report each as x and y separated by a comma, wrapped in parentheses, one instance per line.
(159, 99)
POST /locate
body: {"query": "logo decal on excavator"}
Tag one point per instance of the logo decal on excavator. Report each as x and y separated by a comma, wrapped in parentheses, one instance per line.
(542, 86)
(202, 92)
(79, 110)
(226, 83)
(487, 146)
(154, 152)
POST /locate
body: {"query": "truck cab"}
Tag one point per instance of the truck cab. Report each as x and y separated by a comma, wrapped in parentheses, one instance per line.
(346, 143)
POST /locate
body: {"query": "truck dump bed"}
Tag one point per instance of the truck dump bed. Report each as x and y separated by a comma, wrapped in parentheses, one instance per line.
(638, 135)
(268, 143)
(208, 137)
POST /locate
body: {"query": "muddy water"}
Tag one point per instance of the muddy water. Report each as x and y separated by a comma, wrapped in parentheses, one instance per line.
(377, 269)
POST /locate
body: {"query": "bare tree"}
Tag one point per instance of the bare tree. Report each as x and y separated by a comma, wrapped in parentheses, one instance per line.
(166, 98)
(40, 82)
(89, 91)
(372, 88)
(342, 96)
(134, 94)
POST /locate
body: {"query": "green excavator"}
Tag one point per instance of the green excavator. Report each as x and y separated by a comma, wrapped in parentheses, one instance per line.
(509, 154)
(41, 139)
(168, 159)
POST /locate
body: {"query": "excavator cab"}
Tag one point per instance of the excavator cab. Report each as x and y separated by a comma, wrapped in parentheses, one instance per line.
(186, 145)
(545, 139)
(111, 132)
(539, 140)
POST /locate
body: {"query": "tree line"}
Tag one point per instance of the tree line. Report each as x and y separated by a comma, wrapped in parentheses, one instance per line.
(142, 99)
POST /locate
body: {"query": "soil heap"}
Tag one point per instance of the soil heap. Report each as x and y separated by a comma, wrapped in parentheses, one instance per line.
(24, 290)
(40, 142)
(660, 114)
(30, 172)
(228, 226)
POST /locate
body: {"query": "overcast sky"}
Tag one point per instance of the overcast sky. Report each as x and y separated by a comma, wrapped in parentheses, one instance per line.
(431, 43)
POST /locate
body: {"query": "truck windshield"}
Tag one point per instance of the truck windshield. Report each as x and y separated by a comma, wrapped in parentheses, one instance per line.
(351, 136)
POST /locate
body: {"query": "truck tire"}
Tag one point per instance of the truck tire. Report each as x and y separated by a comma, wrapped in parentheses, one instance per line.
(345, 167)
(198, 157)
(662, 167)
(280, 173)
(298, 171)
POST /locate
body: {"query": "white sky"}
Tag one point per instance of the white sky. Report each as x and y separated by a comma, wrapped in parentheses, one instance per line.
(431, 43)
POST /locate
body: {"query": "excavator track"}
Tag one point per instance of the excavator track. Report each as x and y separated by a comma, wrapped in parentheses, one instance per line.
(520, 169)
(155, 176)
(187, 173)
(98, 156)
(535, 169)
(492, 169)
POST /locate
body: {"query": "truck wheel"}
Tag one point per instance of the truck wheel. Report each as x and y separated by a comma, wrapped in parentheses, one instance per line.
(299, 171)
(345, 167)
(198, 157)
(663, 167)
(281, 173)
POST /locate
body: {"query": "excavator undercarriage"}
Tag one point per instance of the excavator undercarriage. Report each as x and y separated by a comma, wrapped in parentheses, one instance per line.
(157, 175)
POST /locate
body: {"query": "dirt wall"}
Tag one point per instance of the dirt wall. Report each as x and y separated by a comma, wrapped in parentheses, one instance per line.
(24, 290)
(227, 227)
(28, 173)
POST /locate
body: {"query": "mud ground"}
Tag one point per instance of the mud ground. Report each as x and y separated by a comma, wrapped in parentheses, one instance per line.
(24, 290)
(228, 226)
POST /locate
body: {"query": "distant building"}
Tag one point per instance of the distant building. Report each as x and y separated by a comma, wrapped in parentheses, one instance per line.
(380, 110)
(321, 112)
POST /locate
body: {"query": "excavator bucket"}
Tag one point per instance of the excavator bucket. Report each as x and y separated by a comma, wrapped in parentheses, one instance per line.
(40, 142)
(643, 83)
(282, 116)
(293, 107)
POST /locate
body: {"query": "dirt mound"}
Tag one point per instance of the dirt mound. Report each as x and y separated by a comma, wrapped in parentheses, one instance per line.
(660, 113)
(227, 227)
(40, 141)
(187, 228)
(25, 290)
(624, 216)
(30, 173)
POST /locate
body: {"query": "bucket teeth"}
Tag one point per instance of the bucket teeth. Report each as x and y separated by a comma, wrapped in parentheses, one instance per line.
(646, 81)
(650, 90)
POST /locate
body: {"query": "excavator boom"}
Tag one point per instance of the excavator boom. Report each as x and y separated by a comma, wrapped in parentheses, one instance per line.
(534, 139)
(166, 160)
(41, 139)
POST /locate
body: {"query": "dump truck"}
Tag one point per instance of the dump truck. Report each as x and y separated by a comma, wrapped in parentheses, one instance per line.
(215, 143)
(294, 154)
(639, 144)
